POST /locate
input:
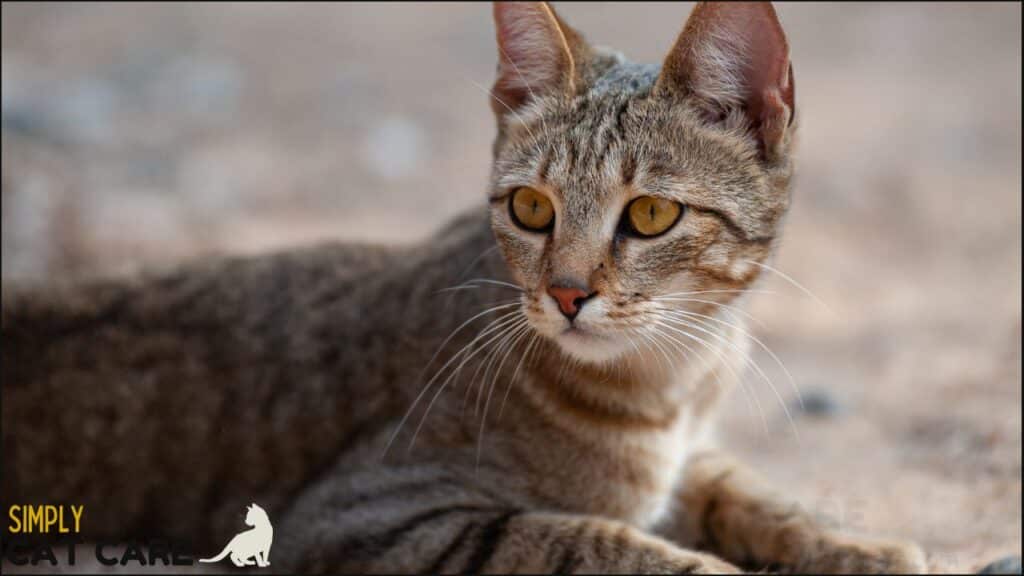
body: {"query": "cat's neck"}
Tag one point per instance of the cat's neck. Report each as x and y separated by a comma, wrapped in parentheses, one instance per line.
(641, 390)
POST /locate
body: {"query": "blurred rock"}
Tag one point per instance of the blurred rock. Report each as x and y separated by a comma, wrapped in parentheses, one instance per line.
(820, 403)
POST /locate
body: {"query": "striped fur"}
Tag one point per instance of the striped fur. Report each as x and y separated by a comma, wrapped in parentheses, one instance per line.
(419, 409)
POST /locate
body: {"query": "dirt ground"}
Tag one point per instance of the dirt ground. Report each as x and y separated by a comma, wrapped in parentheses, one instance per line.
(141, 135)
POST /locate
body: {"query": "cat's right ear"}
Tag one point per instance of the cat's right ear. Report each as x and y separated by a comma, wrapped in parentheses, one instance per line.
(537, 54)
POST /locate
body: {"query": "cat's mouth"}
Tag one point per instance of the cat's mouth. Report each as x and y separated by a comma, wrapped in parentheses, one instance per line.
(577, 331)
(587, 336)
(590, 344)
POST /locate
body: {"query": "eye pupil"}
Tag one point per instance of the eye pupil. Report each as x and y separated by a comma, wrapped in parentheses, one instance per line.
(652, 212)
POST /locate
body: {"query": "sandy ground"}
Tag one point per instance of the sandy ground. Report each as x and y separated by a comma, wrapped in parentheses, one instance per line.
(138, 135)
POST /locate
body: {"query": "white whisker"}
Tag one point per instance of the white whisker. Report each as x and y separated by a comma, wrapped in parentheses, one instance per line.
(799, 286)
(507, 107)
(494, 362)
(456, 288)
(515, 374)
(731, 308)
(708, 367)
(468, 357)
(639, 355)
(740, 291)
(480, 257)
(426, 386)
(748, 361)
(485, 362)
(789, 376)
(495, 283)
(520, 334)
(457, 330)
(477, 282)
(725, 362)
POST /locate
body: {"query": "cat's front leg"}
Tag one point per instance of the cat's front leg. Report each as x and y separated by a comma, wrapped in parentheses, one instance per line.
(726, 509)
(552, 543)
(504, 541)
(402, 523)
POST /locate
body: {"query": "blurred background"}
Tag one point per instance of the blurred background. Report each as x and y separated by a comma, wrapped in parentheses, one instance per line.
(142, 135)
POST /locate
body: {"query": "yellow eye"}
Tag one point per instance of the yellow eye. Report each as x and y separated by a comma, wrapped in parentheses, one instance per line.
(531, 209)
(650, 216)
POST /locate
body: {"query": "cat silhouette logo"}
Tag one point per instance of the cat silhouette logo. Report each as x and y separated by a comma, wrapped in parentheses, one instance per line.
(253, 545)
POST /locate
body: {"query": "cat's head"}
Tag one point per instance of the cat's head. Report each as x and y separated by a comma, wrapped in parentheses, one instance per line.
(624, 193)
(254, 515)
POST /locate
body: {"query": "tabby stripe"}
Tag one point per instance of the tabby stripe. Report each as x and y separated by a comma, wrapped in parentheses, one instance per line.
(598, 548)
(570, 156)
(628, 166)
(620, 545)
(611, 131)
(620, 115)
(545, 165)
(568, 561)
(706, 518)
(708, 531)
(375, 543)
(735, 228)
(452, 548)
(490, 538)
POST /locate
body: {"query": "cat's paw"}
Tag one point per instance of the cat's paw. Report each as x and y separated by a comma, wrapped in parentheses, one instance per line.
(689, 563)
(712, 565)
(843, 554)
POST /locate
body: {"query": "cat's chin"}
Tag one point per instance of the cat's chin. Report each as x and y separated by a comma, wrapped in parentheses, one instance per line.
(592, 348)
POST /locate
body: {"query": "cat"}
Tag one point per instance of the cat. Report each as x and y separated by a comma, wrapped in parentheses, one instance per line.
(253, 545)
(532, 389)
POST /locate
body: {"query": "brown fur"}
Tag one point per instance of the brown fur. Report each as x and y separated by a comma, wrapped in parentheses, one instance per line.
(307, 382)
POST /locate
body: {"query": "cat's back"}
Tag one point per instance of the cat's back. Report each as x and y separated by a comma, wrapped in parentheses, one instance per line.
(227, 364)
(254, 294)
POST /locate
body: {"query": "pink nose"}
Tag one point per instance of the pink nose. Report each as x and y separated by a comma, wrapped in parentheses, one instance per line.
(569, 299)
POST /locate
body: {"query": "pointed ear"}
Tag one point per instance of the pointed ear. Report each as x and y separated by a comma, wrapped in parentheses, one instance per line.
(536, 54)
(734, 56)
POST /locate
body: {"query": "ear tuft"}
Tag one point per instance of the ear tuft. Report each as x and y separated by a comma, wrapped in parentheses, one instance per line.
(535, 54)
(734, 55)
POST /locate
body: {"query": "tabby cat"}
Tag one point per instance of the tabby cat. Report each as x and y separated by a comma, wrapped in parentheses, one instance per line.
(530, 390)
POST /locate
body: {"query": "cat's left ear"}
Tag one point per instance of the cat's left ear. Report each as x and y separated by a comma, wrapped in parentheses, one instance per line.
(538, 54)
(734, 56)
